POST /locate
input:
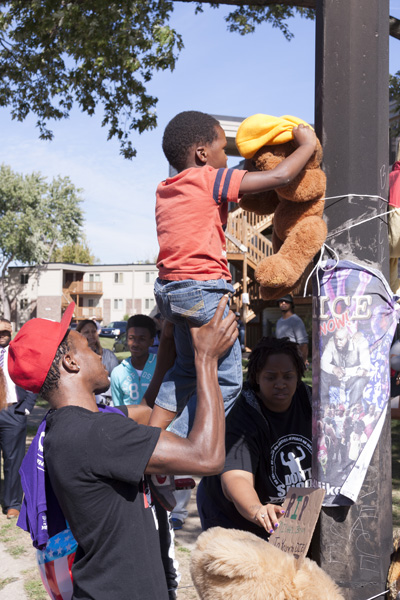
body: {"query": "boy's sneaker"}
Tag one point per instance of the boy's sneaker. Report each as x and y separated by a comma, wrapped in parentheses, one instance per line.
(162, 488)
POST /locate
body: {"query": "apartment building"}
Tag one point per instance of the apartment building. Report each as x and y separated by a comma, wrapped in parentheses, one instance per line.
(107, 292)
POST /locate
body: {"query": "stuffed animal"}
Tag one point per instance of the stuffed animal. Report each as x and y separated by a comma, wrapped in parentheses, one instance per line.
(299, 230)
(228, 564)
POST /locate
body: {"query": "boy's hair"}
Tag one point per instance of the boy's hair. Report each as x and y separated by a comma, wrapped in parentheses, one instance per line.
(187, 129)
(142, 321)
(268, 346)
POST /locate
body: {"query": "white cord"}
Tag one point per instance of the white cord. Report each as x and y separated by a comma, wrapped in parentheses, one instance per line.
(319, 266)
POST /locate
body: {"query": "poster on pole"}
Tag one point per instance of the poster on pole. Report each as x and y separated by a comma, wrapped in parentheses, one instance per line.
(354, 321)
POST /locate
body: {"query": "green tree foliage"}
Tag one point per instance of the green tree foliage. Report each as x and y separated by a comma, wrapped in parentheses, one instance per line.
(245, 18)
(78, 253)
(54, 53)
(35, 217)
(100, 54)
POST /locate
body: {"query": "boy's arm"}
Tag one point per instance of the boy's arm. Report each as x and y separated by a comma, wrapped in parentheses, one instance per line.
(286, 171)
(165, 359)
(203, 451)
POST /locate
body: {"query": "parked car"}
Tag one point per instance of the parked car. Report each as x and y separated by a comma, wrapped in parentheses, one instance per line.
(114, 329)
(120, 344)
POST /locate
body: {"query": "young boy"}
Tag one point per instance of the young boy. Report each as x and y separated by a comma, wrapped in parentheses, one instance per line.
(131, 378)
(191, 211)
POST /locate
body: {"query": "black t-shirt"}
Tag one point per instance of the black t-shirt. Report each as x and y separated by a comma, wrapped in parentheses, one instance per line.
(275, 447)
(95, 462)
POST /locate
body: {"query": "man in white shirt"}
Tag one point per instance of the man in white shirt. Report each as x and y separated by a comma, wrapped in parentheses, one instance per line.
(13, 420)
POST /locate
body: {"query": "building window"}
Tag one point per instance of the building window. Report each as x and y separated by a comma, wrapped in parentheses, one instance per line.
(24, 278)
(118, 278)
(91, 302)
(118, 304)
(149, 303)
(150, 276)
(23, 303)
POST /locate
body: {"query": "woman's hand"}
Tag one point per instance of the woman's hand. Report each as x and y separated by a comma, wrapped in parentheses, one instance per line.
(238, 487)
(267, 516)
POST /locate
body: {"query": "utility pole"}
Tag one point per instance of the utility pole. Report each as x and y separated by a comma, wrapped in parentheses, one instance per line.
(353, 544)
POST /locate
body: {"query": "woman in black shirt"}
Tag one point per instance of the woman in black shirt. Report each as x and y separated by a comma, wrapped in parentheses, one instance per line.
(268, 444)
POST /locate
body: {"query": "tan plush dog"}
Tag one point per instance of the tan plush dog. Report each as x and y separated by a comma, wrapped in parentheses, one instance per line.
(228, 564)
(299, 230)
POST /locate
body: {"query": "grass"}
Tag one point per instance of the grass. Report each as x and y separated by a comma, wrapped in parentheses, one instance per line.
(6, 581)
(34, 588)
(109, 343)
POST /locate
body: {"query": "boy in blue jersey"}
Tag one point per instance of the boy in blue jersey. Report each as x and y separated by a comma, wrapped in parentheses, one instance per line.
(131, 378)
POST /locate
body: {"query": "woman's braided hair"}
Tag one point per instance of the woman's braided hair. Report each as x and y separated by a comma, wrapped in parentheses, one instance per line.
(267, 347)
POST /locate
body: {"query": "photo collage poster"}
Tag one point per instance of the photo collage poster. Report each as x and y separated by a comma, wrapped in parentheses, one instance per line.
(354, 321)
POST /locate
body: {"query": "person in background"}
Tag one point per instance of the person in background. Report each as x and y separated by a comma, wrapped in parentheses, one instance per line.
(268, 444)
(13, 421)
(89, 330)
(131, 378)
(97, 323)
(241, 330)
(180, 486)
(291, 326)
(129, 382)
(158, 321)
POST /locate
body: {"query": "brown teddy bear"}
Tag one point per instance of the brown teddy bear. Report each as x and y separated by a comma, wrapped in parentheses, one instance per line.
(228, 564)
(299, 230)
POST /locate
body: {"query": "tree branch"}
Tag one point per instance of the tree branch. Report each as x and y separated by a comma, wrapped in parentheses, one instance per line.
(394, 24)
(394, 27)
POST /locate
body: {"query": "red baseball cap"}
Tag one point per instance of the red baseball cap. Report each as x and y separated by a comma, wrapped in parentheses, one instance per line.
(33, 349)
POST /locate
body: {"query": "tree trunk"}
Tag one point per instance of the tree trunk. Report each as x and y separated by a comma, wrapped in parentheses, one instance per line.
(3, 292)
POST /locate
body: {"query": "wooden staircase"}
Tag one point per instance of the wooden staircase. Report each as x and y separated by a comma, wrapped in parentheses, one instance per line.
(246, 246)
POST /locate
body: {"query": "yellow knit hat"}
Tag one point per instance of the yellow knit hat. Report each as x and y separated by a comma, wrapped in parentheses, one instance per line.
(263, 130)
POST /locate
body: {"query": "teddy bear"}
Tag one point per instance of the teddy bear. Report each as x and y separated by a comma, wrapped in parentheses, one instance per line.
(298, 228)
(228, 564)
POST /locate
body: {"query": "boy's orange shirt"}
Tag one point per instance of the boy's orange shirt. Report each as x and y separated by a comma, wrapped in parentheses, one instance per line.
(191, 210)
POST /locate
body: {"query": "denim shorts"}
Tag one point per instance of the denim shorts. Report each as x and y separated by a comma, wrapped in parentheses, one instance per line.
(195, 302)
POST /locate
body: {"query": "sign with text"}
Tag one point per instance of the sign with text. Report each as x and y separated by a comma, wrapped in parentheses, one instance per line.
(302, 507)
(354, 319)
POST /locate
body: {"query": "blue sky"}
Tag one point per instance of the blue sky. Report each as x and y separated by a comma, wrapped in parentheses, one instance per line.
(218, 72)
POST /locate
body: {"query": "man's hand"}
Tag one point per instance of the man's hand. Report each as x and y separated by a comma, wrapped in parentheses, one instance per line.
(216, 337)
(339, 372)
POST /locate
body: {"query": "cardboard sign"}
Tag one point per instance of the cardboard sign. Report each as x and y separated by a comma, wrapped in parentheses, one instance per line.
(302, 507)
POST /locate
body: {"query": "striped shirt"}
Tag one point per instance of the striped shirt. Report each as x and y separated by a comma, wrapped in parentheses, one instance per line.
(191, 212)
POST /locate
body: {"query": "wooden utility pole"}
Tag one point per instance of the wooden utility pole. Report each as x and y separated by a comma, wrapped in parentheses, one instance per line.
(353, 544)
